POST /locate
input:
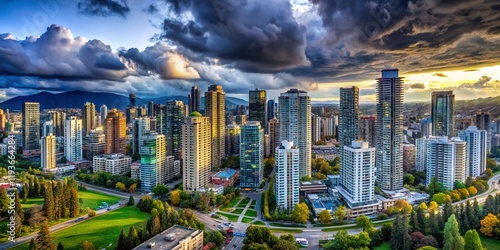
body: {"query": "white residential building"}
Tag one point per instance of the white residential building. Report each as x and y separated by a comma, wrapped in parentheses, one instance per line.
(446, 161)
(48, 152)
(476, 150)
(358, 167)
(73, 139)
(116, 164)
(287, 175)
(139, 128)
(421, 152)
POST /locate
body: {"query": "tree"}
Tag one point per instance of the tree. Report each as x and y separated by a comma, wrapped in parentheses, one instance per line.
(4, 201)
(421, 219)
(472, 240)
(87, 245)
(215, 237)
(33, 245)
(364, 222)
(131, 201)
(60, 246)
(175, 197)
(44, 241)
(319, 176)
(433, 206)
(434, 225)
(475, 220)
(132, 187)
(452, 238)
(74, 205)
(255, 246)
(285, 245)
(434, 187)
(324, 216)
(408, 179)
(440, 198)
(48, 205)
(340, 214)
(133, 238)
(160, 190)
(300, 213)
(403, 205)
(120, 186)
(472, 190)
(422, 206)
(400, 239)
(488, 224)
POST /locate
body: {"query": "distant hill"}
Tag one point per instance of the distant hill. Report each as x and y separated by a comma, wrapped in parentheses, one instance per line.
(77, 98)
(490, 104)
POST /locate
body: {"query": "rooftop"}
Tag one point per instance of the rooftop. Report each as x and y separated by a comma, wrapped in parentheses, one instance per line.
(160, 242)
(226, 174)
(195, 114)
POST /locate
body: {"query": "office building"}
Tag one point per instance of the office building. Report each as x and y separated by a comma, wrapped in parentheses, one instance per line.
(274, 138)
(132, 100)
(94, 144)
(389, 130)
(196, 159)
(287, 175)
(271, 110)
(330, 125)
(240, 119)
(443, 113)
(257, 107)
(446, 161)
(130, 114)
(48, 152)
(251, 155)
(233, 133)
(349, 115)
(174, 118)
(116, 133)
(58, 119)
(483, 122)
(73, 139)
(115, 164)
(358, 172)
(151, 108)
(175, 238)
(153, 151)
(3, 120)
(194, 100)
(31, 126)
(316, 128)
(295, 125)
(88, 117)
(139, 128)
(426, 126)
(104, 113)
(367, 129)
(476, 150)
(47, 128)
(215, 110)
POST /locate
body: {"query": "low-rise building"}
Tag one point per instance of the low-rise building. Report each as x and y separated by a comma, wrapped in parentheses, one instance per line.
(224, 178)
(320, 202)
(116, 164)
(135, 170)
(312, 187)
(175, 238)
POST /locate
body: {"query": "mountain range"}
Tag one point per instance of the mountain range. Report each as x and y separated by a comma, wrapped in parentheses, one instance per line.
(77, 98)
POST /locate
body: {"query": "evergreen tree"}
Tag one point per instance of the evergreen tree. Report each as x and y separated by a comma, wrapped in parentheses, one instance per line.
(24, 192)
(414, 223)
(447, 210)
(33, 245)
(48, 205)
(74, 206)
(434, 225)
(60, 246)
(56, 191)
(400, 239)
(36, 187)
(122, 241)
(4, 201)
(19, 209)
(489, 206)
(476, 219)
(452, 238)
(472, 240)
(131, 201)
(421, 219)
(464, 219)
(133, 238)
(44, 241)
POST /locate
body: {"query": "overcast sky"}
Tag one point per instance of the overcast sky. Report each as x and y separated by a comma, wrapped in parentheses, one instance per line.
(158, 48)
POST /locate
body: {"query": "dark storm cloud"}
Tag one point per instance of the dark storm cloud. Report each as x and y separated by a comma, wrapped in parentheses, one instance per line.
(415, 36)
(103, 8)
(250, 35)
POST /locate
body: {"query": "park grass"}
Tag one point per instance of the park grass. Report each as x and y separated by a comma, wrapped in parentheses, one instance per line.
(244, 202)
(3, 231)
(237, 211)
(253, 202)
(489, 243)
(32, 202)
(286, 230)
(251, 213)
(230, 217)
(231, 204)
(102, 231)
(384, 246)
(247, 220)
(92, 199)
(274, 224)
(259, 223)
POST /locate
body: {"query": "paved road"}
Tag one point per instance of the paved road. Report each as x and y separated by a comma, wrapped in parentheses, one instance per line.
(57, 227)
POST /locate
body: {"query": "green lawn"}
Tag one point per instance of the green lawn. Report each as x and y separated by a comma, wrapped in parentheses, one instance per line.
(286, 230)
(231, 204)
(254, 202)
(244, 202)
(489, 243)
(251, 213)
(230, 217)
(92, 199)
(247, 220)
(237, 211)
(3, 231)
(102, 230)
(384, 246)
(258, 222)
(31, 202)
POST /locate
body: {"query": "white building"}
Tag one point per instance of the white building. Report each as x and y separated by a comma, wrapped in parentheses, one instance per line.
(294, 117)
(116, 164)
(104, 114)
(476, 150)
(287, 175)
(358, 168)
(139, 128)
(3, 148)
(421, 152)
(73, 139)
(196, 153)
(153, 151)
(446, 161)
(48, 152)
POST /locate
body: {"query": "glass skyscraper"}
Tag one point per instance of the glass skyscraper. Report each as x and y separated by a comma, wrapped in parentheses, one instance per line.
(257, 107)
(442, 113)
(251, 155)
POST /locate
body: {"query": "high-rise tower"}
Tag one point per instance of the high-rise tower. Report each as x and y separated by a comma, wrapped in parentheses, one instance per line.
(31, 126)
(73, 139)
(257, 107)
(88, 117)
(104, 114)
(215, 110)
(116, 133)
(443, 113)
(251, 155)
(194, 99)
(174, 118)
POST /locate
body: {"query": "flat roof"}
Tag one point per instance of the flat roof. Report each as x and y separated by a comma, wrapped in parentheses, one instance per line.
(160, 242)
(226, 174)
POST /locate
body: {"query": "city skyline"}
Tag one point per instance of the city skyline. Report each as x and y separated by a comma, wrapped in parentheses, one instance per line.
(150, 60)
